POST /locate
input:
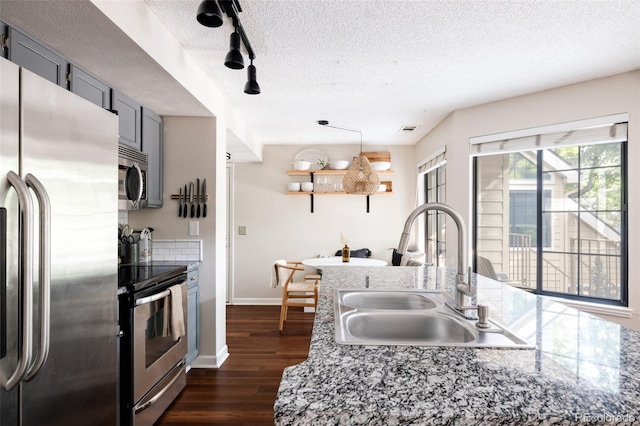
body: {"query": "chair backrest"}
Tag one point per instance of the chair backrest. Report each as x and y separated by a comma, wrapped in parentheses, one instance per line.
(281, 273)
(485, 267)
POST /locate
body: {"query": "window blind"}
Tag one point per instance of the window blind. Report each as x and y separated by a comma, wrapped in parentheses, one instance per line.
(433, 161)
(593, 134)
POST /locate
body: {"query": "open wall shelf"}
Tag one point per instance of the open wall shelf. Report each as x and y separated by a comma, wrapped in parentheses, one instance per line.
(326, 172)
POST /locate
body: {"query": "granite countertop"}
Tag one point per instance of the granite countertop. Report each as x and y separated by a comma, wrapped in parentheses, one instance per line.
(584, 370)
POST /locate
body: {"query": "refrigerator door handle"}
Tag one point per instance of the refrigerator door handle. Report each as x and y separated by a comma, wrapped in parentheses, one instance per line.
(44, 274)
(25, 288)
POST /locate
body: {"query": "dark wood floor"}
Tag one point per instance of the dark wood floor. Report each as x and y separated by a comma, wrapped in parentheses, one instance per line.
(243, 390)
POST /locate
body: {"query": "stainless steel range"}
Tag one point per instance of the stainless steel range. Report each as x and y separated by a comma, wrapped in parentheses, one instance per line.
(153, 345)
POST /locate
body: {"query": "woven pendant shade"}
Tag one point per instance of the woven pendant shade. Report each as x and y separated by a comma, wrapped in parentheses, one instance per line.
(361, 179)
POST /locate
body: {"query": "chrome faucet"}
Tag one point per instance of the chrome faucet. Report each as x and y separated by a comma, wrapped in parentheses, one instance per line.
(464, 289)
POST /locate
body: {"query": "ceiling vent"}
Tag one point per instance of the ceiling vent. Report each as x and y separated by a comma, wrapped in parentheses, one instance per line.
(407, 129)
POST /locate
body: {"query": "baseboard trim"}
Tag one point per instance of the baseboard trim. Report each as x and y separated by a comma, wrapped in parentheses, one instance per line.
(211, 361)
(250, 301)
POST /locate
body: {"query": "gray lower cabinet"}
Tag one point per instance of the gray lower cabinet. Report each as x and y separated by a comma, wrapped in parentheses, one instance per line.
(193, 316)
(87, 86)
(129, 119)
(37, 58)
(152, 146)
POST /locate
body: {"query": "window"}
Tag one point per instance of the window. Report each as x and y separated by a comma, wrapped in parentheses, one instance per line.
(432, 185)
(436, 247)
(523, 217)
(567, 191)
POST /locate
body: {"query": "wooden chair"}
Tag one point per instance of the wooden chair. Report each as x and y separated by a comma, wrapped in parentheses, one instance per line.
(294, 293)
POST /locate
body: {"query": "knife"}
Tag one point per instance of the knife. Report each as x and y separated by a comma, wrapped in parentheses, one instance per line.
(180, 203)
(204, 198)
(184, 206)
(193, 207)
(198, 197)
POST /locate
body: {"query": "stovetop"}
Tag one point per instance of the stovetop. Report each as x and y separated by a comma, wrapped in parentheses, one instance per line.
(136, 277)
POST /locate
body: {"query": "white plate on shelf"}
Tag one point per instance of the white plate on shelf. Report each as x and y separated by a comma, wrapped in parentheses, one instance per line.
(313, 155)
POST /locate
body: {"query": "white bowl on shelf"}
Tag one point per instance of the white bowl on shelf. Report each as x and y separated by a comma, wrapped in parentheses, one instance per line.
(381, 165)
(293, 186)
(338, 164)
(307, 186)
(382, 188)
(301, 165)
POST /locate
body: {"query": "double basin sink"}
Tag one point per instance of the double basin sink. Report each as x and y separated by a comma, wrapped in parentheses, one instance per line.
(412, 317)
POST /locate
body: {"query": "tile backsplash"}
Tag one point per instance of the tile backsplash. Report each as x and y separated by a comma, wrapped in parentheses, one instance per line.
(177, 250)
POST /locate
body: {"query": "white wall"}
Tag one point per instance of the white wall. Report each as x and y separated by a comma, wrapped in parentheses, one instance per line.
(281, 226)
(192, 150)
(601, 97)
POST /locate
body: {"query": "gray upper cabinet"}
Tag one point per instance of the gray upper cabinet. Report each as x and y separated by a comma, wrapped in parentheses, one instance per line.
(4, 39)
(152, 146)
(87, 86)
(37, 58)
(129, 119)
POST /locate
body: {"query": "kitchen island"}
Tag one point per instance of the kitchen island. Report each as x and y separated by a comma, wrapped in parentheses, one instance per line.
(583, 370)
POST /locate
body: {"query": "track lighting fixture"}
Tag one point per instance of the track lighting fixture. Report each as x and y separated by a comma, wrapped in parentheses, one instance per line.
(360, 179)
(234, 58)
(210, 15)
(251, 87)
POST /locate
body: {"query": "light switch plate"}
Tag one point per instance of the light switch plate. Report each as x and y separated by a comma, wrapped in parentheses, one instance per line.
(194, 227)
(242, 230)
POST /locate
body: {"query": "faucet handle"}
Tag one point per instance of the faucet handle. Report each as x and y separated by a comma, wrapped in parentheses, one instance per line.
(483, 317)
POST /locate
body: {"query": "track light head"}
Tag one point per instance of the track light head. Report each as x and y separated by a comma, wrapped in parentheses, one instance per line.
(234, 58)
(323, 122)
(251, 87)
(209, 14)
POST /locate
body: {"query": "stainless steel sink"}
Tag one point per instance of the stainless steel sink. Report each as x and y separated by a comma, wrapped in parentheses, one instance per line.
(403, 329)
(394, 300)
(411, 317)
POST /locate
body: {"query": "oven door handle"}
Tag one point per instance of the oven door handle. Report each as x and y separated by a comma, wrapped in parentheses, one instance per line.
(152, 298)
(143, 405)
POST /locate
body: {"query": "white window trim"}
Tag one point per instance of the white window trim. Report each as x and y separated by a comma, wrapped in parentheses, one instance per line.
(596, 308)
(553, 128)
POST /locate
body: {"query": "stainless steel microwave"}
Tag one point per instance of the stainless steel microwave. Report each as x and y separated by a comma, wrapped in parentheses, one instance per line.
(132, 178)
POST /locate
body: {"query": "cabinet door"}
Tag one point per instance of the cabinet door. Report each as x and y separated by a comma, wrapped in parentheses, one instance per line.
(152, 146)
(129, 119)
(193, 323)
(37, 58)
(87, 86)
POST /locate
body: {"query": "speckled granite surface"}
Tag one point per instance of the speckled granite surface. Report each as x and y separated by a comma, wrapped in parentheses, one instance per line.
(584, 370)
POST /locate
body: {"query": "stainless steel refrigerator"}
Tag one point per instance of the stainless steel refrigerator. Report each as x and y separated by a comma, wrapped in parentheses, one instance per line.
(58, 264)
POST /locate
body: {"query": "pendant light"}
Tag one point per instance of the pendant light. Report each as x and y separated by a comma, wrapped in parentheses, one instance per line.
(360, 179)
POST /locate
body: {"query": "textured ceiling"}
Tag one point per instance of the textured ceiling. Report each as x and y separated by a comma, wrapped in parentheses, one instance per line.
(381, 65)
(370, 65)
